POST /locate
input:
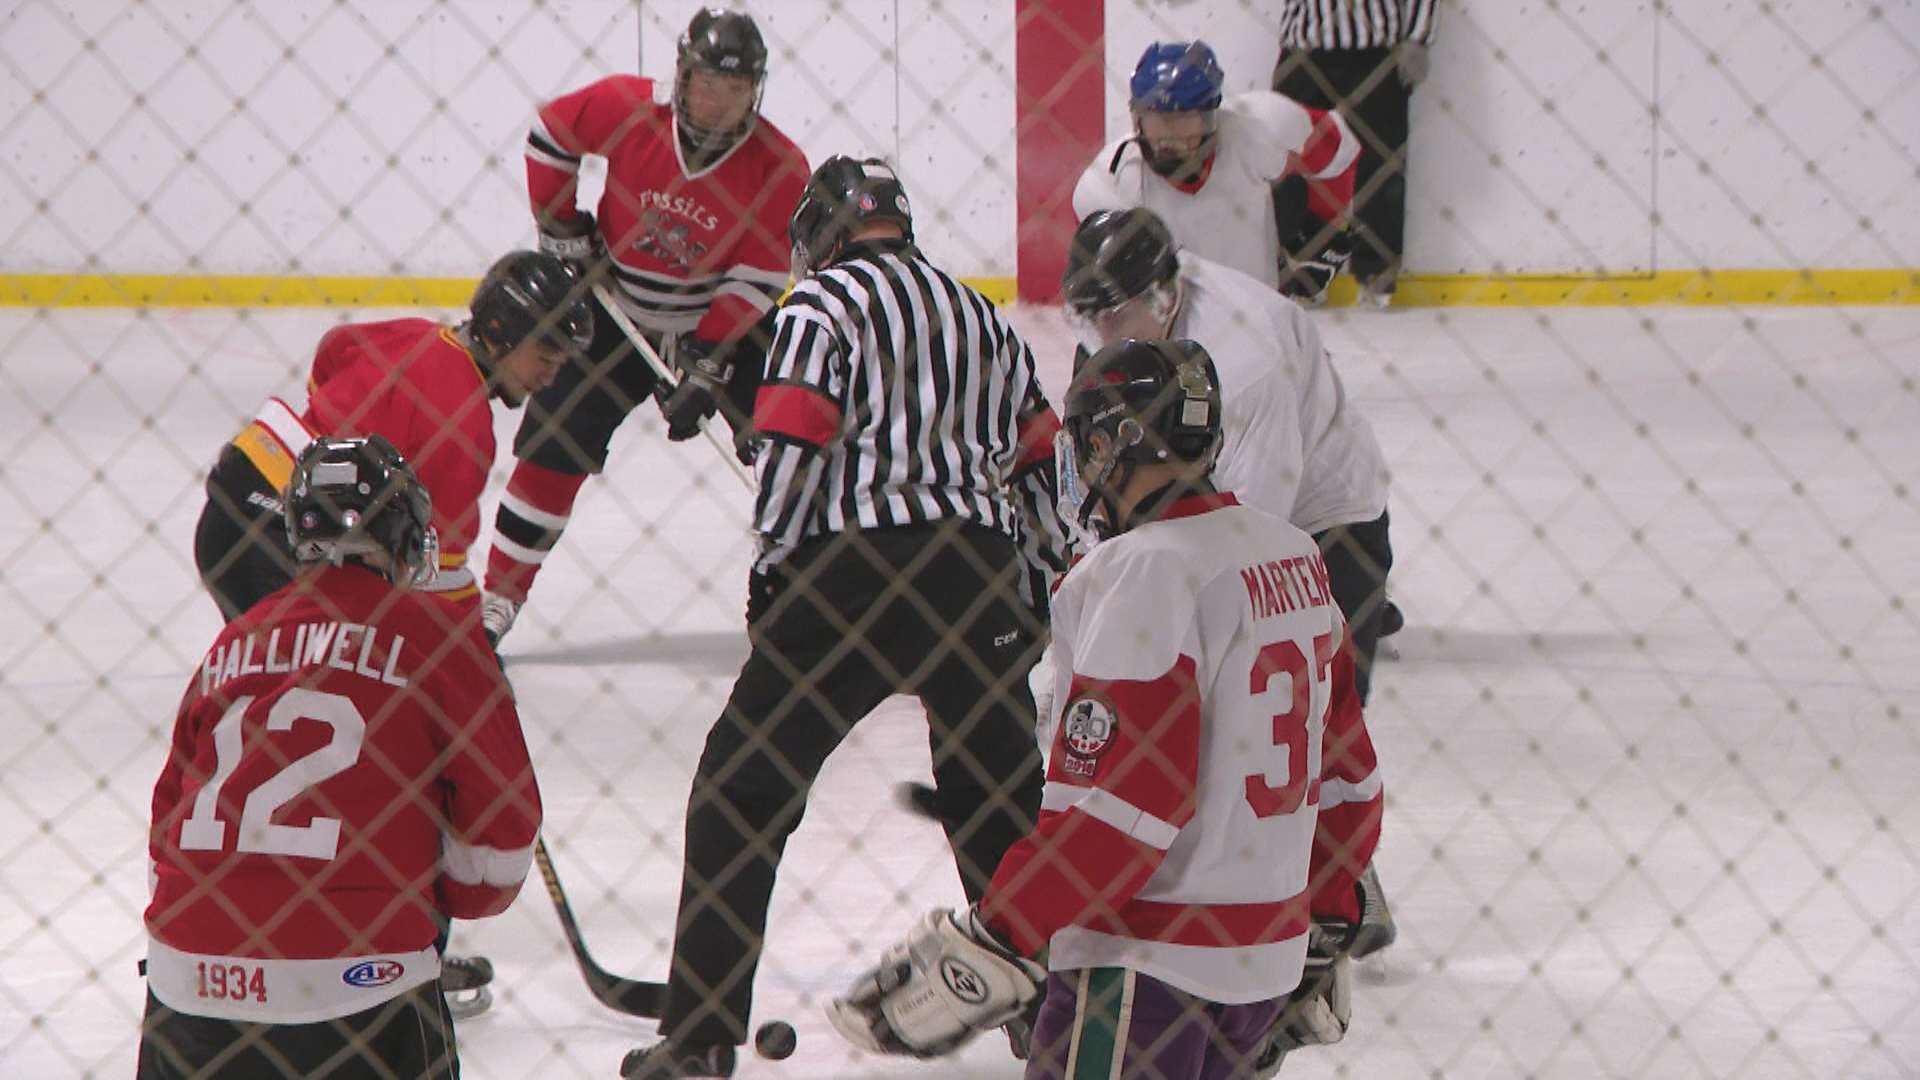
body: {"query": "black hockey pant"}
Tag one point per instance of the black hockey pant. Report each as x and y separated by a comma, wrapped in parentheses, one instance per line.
(407, 1036)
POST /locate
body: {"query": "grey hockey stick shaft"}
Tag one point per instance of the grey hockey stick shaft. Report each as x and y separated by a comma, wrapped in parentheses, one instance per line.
(634, 997)
(611, 305)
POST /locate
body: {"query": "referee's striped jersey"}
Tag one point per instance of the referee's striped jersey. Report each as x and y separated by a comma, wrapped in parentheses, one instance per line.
(1355, 24)
(895, 395)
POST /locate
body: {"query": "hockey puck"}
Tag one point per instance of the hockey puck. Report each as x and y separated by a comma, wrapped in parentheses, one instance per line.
(775, 1040)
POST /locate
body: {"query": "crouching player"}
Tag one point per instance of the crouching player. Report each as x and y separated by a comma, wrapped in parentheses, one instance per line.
(343, 771)
(1211, 795)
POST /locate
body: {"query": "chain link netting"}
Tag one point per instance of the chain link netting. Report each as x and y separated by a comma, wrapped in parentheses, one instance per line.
(1647, 736)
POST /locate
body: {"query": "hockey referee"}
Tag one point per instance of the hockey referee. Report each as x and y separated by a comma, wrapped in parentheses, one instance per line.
(907, 525)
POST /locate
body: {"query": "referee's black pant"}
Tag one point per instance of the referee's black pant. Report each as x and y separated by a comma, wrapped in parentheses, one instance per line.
(933, 611)
(1365, 87)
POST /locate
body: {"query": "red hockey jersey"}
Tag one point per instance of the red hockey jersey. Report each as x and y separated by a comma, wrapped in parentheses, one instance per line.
(342, 766)
(706, 252)
(411, 381)
(1211, 786)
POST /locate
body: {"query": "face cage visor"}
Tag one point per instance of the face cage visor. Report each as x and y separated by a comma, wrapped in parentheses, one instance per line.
(1147, 316)
(1083, 489)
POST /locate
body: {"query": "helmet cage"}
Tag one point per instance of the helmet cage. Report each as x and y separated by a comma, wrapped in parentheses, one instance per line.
(729, 43)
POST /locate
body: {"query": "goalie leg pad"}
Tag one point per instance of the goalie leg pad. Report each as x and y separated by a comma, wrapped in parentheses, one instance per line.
(932, 993)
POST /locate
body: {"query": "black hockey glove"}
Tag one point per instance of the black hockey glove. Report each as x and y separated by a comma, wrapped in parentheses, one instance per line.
(704, 372)
(1314, 257)
(577, 240)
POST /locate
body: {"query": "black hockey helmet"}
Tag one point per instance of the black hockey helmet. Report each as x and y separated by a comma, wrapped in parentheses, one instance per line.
(1115, 256)
(1131, 403)
(844, 194)
(350, 498)
(728, 42)
(527, 293)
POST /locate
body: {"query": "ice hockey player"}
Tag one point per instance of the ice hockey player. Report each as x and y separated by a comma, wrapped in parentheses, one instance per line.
(1206, 163)
(690, 238)
(423, 385)
(344, 774)
(1206, 709)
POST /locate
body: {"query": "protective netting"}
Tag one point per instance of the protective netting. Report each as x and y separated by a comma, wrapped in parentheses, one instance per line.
(1646, 736)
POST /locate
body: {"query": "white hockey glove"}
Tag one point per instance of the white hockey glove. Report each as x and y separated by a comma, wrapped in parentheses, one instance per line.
(1321, 1007)
(950, 980)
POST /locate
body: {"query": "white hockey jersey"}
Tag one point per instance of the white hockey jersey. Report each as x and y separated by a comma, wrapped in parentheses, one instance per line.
(1296, 446)
(1228, 215)
(1210, 777)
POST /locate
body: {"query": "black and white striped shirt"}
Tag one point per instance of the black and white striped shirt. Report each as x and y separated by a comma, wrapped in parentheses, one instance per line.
(895, 395)
(1355, 24)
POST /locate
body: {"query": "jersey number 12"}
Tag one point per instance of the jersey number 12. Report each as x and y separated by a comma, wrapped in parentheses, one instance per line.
(318, 839)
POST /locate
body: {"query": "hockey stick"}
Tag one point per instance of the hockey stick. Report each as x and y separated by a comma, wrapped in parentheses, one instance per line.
(635, 997)
(660, 368)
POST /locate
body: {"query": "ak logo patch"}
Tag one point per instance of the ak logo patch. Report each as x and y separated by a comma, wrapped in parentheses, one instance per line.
(1086, 731)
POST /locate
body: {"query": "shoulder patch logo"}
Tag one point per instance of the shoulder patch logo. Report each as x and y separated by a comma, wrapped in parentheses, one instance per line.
(1087, 729)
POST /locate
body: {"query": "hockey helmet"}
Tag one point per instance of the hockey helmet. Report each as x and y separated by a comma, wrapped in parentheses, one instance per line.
(1134, 402)
(351, 498)
(727, 42)
(1177, 78)
(1115, 256)
(526, 294)
(844, 194)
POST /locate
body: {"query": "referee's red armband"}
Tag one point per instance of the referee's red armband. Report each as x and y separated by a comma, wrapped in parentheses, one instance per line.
(795, 412)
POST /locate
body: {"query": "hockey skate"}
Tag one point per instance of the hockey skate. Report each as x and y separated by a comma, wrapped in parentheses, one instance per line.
(1376, 930)
(463, 982)
(665, 1061)
(497, 614)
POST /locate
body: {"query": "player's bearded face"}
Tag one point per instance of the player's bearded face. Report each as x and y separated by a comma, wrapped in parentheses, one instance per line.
(528, 369)
(717, 101)
(1177, 144)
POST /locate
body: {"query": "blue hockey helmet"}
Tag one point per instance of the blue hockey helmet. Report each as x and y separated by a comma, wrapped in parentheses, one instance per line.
(1177, 76)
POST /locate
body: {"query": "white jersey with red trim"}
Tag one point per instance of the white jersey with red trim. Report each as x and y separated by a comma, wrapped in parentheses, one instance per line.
(705, 251)
(1227, 215)
(347, 762)
(1295, 444)
(1198, 661)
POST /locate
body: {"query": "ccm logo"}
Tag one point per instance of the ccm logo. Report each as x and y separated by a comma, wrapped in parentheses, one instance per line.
(370, 973)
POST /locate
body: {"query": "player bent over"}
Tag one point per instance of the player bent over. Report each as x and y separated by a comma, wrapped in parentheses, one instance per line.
(422, 385)
(344, 772)
(1206, 711)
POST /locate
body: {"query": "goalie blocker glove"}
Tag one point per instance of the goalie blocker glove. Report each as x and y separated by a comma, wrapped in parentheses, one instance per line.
(1320, 1009)
(950, 980)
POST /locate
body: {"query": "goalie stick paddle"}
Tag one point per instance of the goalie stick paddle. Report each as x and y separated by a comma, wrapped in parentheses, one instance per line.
(634, 997)
(645, 348)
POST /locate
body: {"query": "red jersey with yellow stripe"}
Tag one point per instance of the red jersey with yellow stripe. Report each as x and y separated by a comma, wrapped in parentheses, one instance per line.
(1211, 786)
(411, 381)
